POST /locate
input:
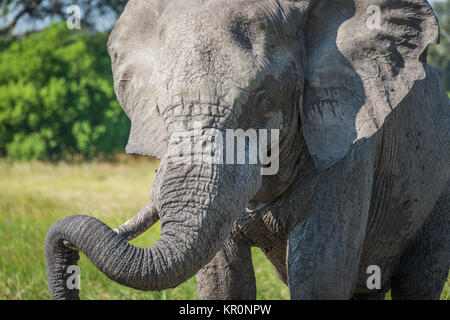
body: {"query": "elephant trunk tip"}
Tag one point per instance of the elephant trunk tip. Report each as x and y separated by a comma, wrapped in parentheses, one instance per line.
(62, 268)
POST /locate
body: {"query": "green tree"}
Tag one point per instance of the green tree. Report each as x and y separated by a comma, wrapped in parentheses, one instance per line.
(57, 97)
(30, 11)
(439, 56)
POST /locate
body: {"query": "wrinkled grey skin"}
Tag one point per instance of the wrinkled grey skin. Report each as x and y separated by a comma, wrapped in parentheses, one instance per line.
(364, 154)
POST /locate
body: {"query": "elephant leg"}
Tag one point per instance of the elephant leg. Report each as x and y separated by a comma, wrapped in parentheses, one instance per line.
(277, 257)
(425, 265)
(324, 248)
(229, 275)
(323, 255)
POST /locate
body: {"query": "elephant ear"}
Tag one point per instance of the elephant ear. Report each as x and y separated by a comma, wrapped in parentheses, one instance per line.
(363, 58)
(133, 53)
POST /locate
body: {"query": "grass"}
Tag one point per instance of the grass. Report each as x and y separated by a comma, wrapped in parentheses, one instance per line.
(34, 195)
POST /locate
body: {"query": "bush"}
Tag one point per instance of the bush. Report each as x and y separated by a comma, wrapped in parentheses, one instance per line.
(57, 98)
(439, 56)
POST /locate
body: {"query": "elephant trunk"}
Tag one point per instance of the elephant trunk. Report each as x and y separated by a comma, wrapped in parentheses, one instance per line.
(197, 205)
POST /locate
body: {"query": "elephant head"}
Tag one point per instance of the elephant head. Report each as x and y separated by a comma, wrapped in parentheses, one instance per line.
(316, 70)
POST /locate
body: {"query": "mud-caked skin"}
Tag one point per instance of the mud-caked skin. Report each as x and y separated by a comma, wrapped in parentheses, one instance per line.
(364, 157)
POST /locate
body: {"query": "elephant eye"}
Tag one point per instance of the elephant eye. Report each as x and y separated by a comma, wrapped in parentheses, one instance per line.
(241, 33)
(260, 95)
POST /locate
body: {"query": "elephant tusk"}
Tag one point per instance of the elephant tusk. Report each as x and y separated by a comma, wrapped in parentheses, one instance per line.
(138, 224)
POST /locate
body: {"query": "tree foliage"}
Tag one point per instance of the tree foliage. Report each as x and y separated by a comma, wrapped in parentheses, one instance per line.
(439, 56)
(57, 97)
(56, 87)
(38, 10)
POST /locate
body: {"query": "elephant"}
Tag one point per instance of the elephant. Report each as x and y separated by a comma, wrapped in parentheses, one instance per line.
(363, 122)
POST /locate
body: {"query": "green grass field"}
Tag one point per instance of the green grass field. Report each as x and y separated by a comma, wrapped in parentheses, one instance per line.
(34, 195)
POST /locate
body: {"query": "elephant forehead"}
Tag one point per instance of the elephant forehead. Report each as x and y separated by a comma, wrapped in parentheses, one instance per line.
(267, 15)
(209, 30)
(196, 54)
(214, 12)
(223, 41)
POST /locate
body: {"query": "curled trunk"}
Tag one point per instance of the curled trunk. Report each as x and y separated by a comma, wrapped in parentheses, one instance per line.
(197, 205)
